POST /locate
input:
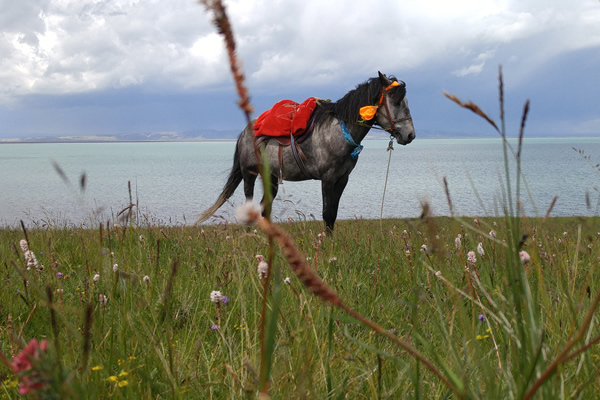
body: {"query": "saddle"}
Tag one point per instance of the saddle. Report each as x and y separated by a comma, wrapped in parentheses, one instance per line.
(289, 123)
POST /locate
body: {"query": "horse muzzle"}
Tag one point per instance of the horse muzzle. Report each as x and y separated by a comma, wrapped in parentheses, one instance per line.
(403, 139)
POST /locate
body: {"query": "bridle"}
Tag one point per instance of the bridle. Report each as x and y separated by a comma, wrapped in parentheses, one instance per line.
(373, 110)
(383, 99)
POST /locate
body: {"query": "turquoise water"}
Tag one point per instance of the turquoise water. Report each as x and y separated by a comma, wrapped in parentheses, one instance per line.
(173, 182)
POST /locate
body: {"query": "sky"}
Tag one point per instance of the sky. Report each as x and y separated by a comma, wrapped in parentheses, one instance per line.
(103, 67)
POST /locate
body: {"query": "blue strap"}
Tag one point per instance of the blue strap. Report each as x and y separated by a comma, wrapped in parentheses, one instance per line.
(357, 147)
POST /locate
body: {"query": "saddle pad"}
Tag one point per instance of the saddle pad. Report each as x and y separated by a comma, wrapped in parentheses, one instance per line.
(285, 118)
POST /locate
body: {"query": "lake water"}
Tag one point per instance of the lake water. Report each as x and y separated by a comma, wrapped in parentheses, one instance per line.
(173, 182)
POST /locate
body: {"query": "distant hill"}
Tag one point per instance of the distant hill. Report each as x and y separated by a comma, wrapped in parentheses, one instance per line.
(207, 135)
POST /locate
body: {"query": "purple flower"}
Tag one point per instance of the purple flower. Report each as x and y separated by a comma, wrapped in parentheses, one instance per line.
(59, 275)
(214, 327)
(224, 300)
(481, 317)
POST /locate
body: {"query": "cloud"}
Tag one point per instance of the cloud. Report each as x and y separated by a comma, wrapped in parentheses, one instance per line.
(77, 46)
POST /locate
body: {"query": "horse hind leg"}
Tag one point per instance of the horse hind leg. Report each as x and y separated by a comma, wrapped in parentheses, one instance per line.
(274, 189)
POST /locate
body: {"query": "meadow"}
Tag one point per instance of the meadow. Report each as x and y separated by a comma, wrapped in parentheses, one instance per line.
(127, 310)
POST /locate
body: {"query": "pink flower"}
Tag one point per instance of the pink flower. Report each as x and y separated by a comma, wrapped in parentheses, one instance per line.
(471, 257)
(263, 267)
(525, 259)
(23, 365)
(480, 249)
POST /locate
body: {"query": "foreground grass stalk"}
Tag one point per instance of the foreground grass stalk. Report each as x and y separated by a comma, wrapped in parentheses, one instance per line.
(564, 354)
(318, 287)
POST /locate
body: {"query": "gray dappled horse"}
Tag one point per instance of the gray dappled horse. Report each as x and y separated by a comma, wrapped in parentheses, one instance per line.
(331, 150)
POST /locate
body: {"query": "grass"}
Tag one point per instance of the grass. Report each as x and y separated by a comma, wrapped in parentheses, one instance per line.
(156, 336)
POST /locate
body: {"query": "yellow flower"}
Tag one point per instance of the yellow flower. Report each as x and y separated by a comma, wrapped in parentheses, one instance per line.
(97, 368)
(122, 383)
(113, 379)
(480, 337)
(123, 374)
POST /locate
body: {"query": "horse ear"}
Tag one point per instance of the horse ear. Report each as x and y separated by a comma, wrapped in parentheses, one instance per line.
(384, 79)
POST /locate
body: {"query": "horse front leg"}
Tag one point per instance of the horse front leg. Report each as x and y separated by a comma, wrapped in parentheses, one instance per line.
(332, 192)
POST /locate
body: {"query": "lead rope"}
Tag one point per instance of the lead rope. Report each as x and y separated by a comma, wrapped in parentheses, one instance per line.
(389, 148)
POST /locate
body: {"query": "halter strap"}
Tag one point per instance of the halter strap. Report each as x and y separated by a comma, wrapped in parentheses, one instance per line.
(357, 147)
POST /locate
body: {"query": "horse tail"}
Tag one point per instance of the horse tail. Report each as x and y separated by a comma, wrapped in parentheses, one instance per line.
(233, 181)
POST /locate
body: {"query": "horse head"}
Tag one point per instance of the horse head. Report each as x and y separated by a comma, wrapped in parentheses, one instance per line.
(393, 114)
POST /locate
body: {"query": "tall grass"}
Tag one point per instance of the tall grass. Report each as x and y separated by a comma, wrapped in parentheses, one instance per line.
(156, 336)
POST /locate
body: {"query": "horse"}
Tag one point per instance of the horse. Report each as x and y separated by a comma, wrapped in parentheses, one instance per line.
(331, 151)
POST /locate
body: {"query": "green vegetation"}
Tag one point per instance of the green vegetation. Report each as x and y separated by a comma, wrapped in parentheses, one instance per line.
(153, 338)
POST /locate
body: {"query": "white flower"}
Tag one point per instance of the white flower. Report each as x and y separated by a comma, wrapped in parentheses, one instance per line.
(457, 241)
(333, 259)
(142, 238)
(96, 278)
(565, 234)
(438, 274)
(480, 249)
(102, 299)
(146, 279)
(263, 267)
(115, 267)
(424, 248)
(525, 258)
(29, 256)
(493, 234)
(215, 296)
(248, 213)
(287, 280)
(476, 221)
(471, 257)
(59, 291)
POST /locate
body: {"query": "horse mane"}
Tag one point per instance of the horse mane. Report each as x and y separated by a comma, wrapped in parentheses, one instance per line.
(347, 108)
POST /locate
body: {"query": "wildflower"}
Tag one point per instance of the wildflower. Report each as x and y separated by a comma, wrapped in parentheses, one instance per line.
(123, 374)
(525, 259)
(59, 275)
(333, 259)
(97, 368)
(287, 280)
(142, 238)
(122, 383)
(59, 291)
(216, 296)
(471, 257)
(214, 327)
(113, 379)
(248, 213)
(102, 300)
(493, 234)
(22, 364)
(146, 279)
(480, 249)
(96, 278)
(29, 256)
(481, 317)
(481, 337)
(115, 267)
(263, 267)
(457, 241)
(224, 300)
(424, 248)
(438, 274)
(565, 235)
(476, 221)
